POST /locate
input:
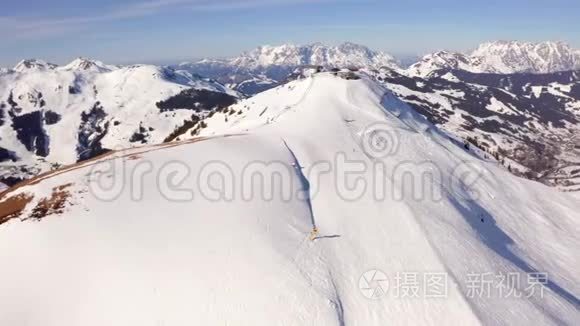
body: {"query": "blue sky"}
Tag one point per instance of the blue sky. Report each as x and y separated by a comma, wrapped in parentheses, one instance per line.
(166, 31)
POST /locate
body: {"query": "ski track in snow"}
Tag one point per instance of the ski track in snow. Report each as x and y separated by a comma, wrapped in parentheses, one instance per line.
(305, 184)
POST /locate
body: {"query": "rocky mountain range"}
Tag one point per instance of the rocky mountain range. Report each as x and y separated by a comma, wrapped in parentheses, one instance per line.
(268, 66)
(503, 57)
(515, 100)
(52, 115)
(530, 122)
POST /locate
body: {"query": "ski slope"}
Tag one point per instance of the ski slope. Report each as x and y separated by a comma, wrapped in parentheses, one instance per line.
(211, 247)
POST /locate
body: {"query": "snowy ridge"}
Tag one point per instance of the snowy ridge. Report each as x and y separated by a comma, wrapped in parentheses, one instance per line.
(33, 65)
(57, 115)
(442, 60)
(527, 120)
(503, 57)
(211, 261)
(83, 64)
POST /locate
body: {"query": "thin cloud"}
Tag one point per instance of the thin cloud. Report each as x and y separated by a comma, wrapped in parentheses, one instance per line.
(248, 4)
(16, 27)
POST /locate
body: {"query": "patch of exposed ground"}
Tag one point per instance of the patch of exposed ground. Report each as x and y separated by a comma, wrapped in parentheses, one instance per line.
(53, 205)
(13, 203)
(12, 207)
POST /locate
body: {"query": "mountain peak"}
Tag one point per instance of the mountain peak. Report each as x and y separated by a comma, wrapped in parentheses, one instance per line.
(440, 60)
(86, 64)
(33, 65)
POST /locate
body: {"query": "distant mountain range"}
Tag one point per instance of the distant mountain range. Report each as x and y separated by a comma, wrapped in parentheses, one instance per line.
(503, 57)
(517, 100)
(344, 55)
(268, 66)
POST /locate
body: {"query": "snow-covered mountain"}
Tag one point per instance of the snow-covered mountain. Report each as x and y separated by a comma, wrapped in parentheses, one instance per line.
(33, 65)
(317, 54)
(268, 66)
(443, 60)
(512, 56)
(503, 57)
(78, 64)
(461, 93)
(531, 121)
(149, 104)
(51, 115)
(84, 64)
(412, 228)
